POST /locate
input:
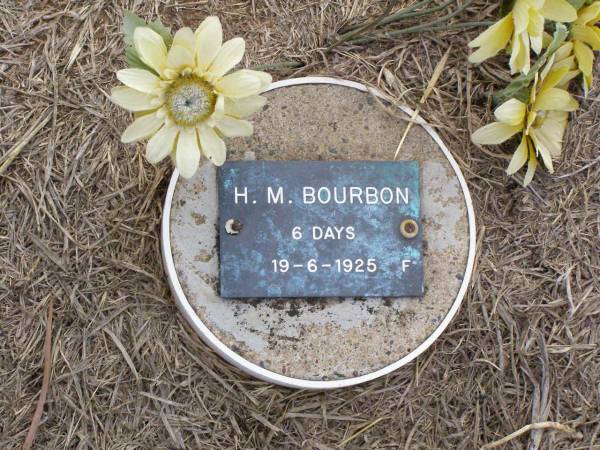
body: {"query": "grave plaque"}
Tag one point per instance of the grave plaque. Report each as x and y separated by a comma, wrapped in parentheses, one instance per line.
(320, 229)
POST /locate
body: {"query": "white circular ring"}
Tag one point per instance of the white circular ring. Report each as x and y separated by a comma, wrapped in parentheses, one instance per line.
(266, 375)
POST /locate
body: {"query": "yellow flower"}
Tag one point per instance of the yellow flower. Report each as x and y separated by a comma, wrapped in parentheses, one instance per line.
(586, 39)
(189, 101)
(542, 122)
(564, 58)
(521, 30)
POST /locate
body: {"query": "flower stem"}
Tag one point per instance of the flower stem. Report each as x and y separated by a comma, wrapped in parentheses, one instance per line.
(406, 10)
(418, 28)
(424, 28)
(405, 14)
(279, 65)
(368, 25)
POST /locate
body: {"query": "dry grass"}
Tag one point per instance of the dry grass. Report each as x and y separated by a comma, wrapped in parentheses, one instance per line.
(79, 215)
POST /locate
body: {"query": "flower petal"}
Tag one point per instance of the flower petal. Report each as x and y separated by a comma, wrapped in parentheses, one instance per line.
(209, 38)
(239, 84)
(141, 128)
(555, 99)
(232, 127)
(185, 38)
(504, 25)
(511, 112)
(533, 90)
(585, 57)
(569, 63)
(547, 67)
(219, 111)
(586, 34)
(161, 145)
(495, 133)
(265, 78)
(229, 55)
(564, 51)
(139, 79)
(542, 151)
(520, 16)
(531, 116)
(552, 131)
(587, 83)
(212, 145)
(132, 100)
(519, 158)
(492, 40)
(187, 156)
(179, 57)
(535, 27)
(564, 83)
(151, 48)
(590, 14)
(546, 39)
(537, 43)
(558, 11)
(519, 58)
(553, 78)
(244, 107)
(531, 166)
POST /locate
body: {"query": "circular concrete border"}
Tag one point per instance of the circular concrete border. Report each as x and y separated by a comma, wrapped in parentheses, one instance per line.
(266, 375)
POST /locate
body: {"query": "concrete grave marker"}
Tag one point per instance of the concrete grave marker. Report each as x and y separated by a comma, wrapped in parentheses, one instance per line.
(349, 336)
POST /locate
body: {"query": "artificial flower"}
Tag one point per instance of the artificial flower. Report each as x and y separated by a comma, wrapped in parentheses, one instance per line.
(586, 38)
(541, 122)
(564, 57)
(185, 100)
(519, 31)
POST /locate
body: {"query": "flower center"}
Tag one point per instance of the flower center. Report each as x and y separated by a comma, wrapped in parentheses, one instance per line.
(190, 100)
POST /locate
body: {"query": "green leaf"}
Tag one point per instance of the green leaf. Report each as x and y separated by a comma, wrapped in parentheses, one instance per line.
(164, 32)
(519, 88)
(130, 23)
(577, 3)
(506, 6)
(134, 60)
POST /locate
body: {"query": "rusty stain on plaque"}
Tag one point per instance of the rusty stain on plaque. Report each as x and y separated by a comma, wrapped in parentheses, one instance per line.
(325, 338)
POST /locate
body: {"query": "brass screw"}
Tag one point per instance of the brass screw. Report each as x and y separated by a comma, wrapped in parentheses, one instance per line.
(409, 228)
(233, 226)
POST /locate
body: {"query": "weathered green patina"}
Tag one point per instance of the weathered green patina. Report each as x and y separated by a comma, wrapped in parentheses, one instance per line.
(319, 229)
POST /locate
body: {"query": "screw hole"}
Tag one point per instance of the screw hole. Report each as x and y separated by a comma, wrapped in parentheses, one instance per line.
(409, 228)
